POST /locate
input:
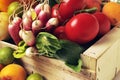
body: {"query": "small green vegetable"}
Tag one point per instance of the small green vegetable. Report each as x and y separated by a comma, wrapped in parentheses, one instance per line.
(47, 44)
(76, 68)
(53, 2)
(20, 52)
(70, 54)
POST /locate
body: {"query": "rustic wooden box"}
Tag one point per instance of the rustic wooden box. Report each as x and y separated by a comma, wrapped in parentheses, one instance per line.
(100, 61)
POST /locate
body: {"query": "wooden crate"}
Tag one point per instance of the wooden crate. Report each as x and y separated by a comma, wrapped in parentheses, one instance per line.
(103, 57)
(100, 61)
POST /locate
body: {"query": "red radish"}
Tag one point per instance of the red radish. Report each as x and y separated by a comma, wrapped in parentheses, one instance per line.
(104, 23)
(28, 37)
(27, 23)
(36, 26)
(14, 32)
(52, 23)
(40, 6)
(14, 28)
(17, 20)
(44, 14)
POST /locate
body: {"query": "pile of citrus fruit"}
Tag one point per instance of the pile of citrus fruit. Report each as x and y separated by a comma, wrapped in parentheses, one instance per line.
(11, 70)
(106, 15)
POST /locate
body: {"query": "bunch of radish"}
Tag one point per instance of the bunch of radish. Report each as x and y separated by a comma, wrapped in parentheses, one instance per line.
(67, 20)
(33, 20)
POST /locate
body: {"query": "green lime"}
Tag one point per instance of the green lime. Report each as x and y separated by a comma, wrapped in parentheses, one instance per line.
(14, 7)
(6, 55)
(35, 76)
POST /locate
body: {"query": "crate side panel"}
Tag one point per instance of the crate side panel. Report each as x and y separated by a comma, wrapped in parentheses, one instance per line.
(94, 52)
(98, 49)
(5, 44)
(107, 63)
(52, 69)
(88, 62)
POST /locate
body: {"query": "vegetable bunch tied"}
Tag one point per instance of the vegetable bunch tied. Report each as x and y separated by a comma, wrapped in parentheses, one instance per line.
(32, 29)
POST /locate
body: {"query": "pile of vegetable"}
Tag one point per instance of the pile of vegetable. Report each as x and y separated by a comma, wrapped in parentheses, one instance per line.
(59, 29)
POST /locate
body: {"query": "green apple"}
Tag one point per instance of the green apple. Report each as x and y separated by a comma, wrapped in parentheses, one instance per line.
(6, 55)
(14, 7)
(35, 76)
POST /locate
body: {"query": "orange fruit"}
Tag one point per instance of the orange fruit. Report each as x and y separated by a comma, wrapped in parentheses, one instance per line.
(112, 11)
(4, 25)
(4, 4)
(13, 72)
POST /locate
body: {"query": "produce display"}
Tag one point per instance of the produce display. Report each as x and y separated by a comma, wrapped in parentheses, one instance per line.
(59, 29)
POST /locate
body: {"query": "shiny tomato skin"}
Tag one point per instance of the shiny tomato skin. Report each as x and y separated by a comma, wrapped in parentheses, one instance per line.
(68, 7)
(59, 32)
(104, 23)
(82, 28)
(94, 3)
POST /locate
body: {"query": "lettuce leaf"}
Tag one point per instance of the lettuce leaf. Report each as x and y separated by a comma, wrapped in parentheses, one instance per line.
(67, 51)
(70, 54)
(47, 44)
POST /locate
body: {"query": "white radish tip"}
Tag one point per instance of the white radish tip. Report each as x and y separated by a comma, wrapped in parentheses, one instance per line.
(30, 52)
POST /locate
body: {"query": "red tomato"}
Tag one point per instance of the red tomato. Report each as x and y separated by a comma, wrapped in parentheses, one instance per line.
(94, 3)
(104, 23)
(82, 28)
(59, 32)
(68, 7)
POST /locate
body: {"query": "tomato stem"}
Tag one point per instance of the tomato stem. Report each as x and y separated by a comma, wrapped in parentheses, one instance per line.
(91, 10)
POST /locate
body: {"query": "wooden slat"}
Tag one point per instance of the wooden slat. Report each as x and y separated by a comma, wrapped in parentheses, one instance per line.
(103, 44)
(103, 57)
(91, 55)
(52, 69)
(107, 64)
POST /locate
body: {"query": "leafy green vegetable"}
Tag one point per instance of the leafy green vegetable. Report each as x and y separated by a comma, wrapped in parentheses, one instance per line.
(53, 2)
(47, 44)
(57, 1)
(76, 68)
(20, 52)
(70, 53)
